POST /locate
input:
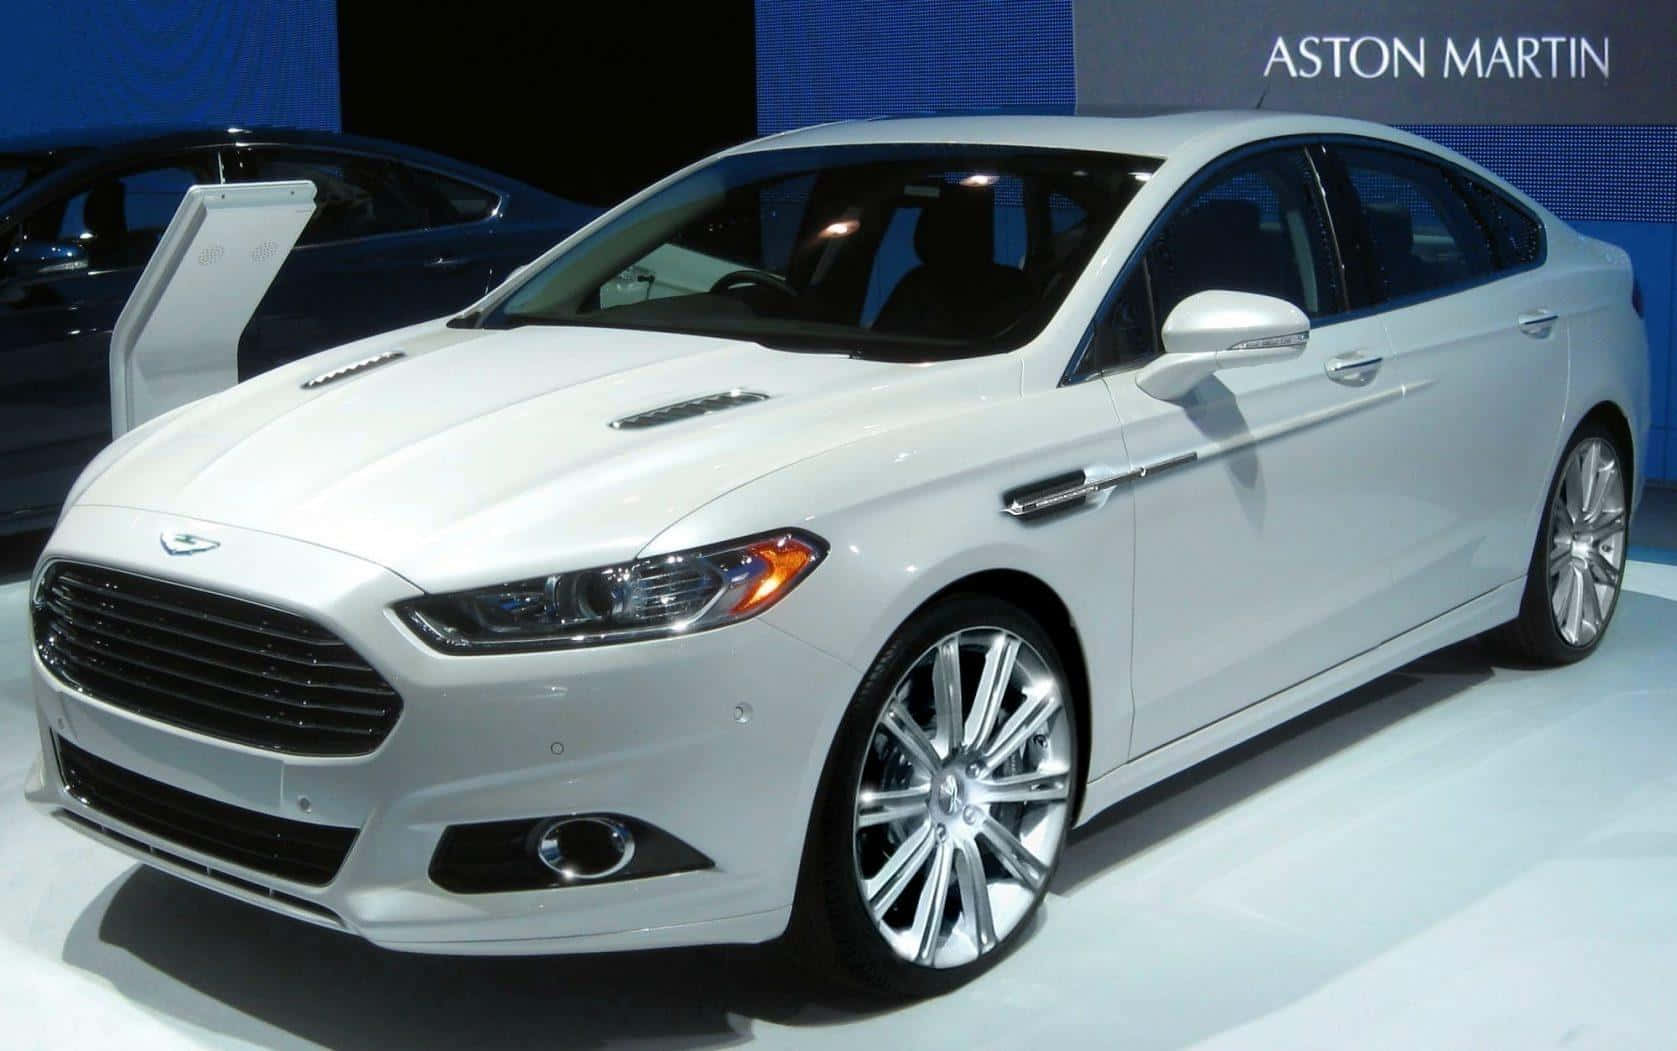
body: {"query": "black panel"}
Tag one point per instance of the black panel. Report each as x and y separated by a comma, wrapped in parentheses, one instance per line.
(293, 850)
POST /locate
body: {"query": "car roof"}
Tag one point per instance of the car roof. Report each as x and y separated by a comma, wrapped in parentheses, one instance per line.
(1156, 132)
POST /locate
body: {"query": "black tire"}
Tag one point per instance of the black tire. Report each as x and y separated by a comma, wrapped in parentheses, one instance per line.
(832, 926)
(1535, 636)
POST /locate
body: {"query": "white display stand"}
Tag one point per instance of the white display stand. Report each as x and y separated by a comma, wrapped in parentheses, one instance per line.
(177, 338)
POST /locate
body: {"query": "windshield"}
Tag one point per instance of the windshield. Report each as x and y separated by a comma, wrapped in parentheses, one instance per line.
(903, 252)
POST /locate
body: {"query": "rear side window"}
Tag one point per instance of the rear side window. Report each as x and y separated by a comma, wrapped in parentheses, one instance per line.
(1422, 235)
(448, 201)
(355, 196)
(1516, 234)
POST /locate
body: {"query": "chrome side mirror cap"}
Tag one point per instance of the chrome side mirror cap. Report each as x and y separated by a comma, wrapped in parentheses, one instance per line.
(1215, 330)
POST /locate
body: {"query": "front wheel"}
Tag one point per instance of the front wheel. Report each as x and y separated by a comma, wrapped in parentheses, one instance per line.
(948, 798)
(1578, 562)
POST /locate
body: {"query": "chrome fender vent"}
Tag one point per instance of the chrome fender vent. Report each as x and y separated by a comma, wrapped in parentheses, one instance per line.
(354, 367)
(686, 410)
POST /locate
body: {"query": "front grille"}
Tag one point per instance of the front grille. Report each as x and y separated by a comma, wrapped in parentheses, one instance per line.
(293, 850)
(212, 663)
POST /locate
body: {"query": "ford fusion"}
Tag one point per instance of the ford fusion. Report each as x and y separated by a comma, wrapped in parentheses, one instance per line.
(812, 541)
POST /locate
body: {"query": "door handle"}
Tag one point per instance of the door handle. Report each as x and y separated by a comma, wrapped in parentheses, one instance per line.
(444, 262)
(1537, 323)
(1355, 368)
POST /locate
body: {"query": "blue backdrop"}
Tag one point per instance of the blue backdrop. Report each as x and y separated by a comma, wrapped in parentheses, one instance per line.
(113, 63)
(835, 59)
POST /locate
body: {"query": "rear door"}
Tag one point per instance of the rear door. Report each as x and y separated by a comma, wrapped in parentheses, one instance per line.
(389, 245)
(1478, 339)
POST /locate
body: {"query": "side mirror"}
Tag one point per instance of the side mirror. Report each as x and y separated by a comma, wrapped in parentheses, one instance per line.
(38, 258)
(1216, 330)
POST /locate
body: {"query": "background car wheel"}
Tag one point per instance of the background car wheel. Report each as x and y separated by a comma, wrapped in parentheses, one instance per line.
(947, 799)
(1578, 560)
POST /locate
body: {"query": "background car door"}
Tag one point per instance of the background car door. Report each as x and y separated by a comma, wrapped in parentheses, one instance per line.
(1259, 534)
(1464, 310)
(55, 326)
(388, 245)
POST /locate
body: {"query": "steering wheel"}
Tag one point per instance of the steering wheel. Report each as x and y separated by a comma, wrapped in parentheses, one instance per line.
(737, 278)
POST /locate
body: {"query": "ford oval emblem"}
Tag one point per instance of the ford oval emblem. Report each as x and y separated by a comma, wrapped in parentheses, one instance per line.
(187, 544)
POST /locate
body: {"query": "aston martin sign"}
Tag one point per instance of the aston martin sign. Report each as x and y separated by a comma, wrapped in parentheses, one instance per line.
(1492, 62)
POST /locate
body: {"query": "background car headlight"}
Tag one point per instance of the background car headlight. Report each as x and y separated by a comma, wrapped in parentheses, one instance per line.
(645, 599)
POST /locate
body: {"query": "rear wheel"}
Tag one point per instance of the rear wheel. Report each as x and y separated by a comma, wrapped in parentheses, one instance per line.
(948, 799)
(1577, 564)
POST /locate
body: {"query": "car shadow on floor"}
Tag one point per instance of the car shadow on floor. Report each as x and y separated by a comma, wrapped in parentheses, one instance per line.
(218, 965)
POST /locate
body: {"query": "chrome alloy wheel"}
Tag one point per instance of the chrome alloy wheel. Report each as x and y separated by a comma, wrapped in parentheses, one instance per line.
(1586, 542)
(964, 797)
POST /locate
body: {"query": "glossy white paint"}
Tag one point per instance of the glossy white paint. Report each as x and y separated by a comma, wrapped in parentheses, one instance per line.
(1328, 527)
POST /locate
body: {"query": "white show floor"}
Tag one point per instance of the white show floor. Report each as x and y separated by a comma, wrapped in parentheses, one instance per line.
(1460, 855)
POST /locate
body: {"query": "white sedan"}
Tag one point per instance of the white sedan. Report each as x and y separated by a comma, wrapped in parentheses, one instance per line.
(810, 542)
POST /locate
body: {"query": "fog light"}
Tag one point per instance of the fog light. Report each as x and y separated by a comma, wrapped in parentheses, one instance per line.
(548, 853)
(585, 848)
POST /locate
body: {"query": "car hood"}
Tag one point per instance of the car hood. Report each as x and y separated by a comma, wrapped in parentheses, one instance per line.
(483, 456)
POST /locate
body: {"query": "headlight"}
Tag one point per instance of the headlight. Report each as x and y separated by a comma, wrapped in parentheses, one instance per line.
(647, 599)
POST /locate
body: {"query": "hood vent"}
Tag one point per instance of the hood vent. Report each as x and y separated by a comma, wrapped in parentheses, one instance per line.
(353, 368)
(686, 410)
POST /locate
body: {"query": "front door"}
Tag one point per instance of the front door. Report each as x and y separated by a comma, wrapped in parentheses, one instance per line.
(1261, 520)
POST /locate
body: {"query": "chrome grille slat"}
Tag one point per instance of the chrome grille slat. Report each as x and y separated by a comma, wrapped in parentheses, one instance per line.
(92, 650)
(76, 605)
(268, 672)
(257, 628)
(140, 690)
(211, 663)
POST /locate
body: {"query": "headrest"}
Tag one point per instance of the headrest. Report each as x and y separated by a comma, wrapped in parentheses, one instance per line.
(1390, 224)
(958, 229)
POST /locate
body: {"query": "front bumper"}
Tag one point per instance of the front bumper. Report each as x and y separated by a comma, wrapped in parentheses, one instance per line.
(717, 738)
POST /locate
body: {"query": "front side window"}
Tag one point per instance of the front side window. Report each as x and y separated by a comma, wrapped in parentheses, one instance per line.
(1422, 236)
(118, 219)
(903, 252)
(1256, 226)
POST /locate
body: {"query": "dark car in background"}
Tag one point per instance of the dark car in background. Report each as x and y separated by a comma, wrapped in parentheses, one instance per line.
(399, 235)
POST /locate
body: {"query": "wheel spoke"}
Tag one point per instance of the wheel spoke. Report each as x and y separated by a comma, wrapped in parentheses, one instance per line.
(874, 807)
(1603, 571)
(946, 695)
(934, 898)
(1024, 722)
(887, 884)
(1590, 500)
(915, 744)
(1017, 858)
(1573, 487)
(1560, 553)
(1561, 599)
(975, 895)
(1608, 524)
(1575, 605)
(1038, 786)
(1591, 613)
(992, 689)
